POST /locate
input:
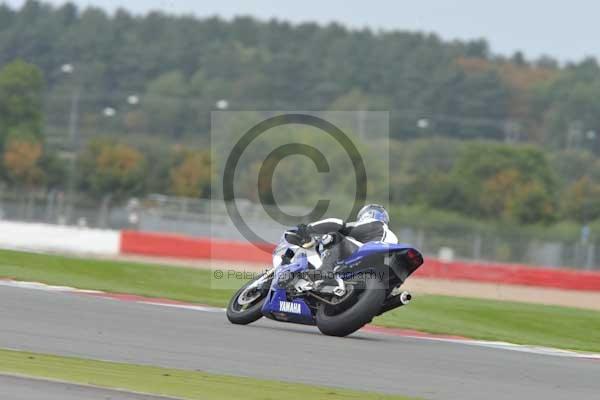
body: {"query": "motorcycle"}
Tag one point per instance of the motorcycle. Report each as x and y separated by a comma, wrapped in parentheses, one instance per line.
(360, 287)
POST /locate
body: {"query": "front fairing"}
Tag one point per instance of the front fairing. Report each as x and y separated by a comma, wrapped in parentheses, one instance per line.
(279, 251)
(284, 272)
(277, 305)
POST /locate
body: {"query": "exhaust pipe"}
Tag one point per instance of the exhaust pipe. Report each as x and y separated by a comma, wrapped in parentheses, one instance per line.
(405, 298)
(396, 301)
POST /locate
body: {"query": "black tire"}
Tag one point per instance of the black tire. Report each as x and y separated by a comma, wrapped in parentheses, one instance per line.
(247, 315)
(356, 316)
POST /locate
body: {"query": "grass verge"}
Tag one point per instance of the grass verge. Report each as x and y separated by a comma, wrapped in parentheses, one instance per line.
(522, 323)
(165, 381)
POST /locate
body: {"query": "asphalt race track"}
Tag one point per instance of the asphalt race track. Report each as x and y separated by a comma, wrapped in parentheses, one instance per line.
(90, 327)
(16, 388)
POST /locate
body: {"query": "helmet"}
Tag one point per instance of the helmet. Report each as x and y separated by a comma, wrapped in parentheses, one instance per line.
(373, 211)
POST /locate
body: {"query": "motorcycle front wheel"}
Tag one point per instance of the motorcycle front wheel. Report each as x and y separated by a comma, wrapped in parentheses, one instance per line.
(246, 304)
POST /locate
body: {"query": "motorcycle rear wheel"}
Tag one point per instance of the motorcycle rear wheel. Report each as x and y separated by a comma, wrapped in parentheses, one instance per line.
(366, 306)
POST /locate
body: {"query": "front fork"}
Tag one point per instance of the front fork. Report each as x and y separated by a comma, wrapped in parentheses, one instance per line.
(258, 284)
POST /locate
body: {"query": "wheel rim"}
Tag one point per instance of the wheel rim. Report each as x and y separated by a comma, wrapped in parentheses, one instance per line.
(248, 296)
(353, 296)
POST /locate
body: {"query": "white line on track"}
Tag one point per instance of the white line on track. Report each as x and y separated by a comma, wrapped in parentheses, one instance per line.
(44, 287)
(185, 306)
(549, 351)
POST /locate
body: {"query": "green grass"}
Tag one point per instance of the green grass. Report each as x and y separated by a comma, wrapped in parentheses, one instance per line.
(167, 382)
(176, 283)
(522, 323)
(552, 326)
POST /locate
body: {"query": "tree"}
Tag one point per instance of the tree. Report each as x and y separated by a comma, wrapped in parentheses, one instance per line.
(499, 190)
(461, 88)
(420, 172)
(581, 200)
(21, 160)
(191, 177)
(505, 181)
(110, 167)
(355, 100)
(166, 104)
(567, 108)
(440, 190)
(20, 100)
(255, 65)
(532, 204)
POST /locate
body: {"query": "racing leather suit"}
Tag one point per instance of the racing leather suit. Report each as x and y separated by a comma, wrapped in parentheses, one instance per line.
(346, 238)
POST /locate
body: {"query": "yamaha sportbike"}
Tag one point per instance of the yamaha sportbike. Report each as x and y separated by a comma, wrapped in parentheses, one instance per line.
(360, 287)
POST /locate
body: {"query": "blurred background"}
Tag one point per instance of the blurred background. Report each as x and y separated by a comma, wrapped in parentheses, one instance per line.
(105, 121)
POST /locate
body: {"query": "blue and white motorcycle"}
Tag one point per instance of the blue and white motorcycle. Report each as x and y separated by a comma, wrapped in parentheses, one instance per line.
(362, 286)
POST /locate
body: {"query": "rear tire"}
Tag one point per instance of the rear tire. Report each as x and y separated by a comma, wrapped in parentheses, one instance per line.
(356, 316)
(245, 316)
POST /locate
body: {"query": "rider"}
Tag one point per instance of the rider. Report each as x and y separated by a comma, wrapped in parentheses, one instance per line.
(340, 239)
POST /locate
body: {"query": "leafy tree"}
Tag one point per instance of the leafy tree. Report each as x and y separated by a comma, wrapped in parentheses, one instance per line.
(442, 191)
(470, 116)
(166, 105)
(572, 165)
(499, 190)
(54, 169)
(494, 177)
(20, 100)
(180, 66)
(185, 64)
(191, 177)
(567, 108)
(252, 64)
(21, 160)
(532, 204)
(581, 201)
(6, 16)
(110, 167)
(420, 172)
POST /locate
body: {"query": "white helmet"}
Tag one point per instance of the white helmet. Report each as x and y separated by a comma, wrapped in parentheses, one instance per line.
(373, 211)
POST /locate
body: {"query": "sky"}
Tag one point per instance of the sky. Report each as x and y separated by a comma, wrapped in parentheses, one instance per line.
(566, 30)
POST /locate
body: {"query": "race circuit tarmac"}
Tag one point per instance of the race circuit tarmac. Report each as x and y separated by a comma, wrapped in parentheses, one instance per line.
(19, 388)
(100, 328)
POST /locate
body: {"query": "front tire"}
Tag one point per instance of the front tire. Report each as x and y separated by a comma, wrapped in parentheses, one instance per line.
(240, 315)
(357, 315)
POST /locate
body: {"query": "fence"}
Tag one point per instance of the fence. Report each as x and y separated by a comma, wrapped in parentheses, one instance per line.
(206, 218)
(55, 207)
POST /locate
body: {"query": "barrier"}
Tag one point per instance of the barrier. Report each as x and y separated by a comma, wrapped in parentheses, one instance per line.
(67, 239)
(58, 239)
(176, 246)
(514, 274)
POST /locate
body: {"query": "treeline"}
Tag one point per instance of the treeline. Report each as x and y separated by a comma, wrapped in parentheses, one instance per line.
(101, 166)
(180, 67)
(491, 181)
(488, 180)
(144, 88)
